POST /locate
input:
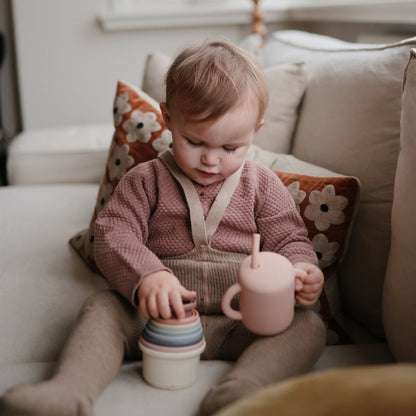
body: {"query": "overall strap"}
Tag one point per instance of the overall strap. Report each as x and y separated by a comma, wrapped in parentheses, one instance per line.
(202, 230)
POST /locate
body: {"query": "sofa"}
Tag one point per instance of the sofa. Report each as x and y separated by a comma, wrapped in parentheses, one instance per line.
(341, 117)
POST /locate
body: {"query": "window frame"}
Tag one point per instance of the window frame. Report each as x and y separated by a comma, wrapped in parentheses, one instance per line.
(159, 14)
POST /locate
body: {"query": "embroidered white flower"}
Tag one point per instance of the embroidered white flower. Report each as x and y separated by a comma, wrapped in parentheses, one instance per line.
(326, 208)
(325, 250)
(119, 162)
(297, 194)
(121, 106)
(104, 195)
(140, 126)
(163, 142)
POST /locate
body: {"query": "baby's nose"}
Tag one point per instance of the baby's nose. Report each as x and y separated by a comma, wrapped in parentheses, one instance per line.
(209, 158)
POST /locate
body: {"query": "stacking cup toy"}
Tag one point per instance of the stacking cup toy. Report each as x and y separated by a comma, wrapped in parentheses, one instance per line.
(172, 349)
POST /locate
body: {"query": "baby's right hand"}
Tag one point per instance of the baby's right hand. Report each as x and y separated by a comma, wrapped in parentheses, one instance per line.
(161, 291)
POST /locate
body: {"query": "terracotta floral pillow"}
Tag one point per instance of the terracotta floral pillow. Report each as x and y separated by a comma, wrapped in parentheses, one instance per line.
(328, 206)
(139, 135)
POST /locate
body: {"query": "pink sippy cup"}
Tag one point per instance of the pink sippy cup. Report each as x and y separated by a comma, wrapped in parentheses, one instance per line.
(266, 288)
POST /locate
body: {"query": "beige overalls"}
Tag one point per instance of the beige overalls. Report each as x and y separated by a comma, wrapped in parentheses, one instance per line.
(208, 271)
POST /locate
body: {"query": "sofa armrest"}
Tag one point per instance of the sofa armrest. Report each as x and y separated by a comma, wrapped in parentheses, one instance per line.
(59, 155)
(399, 306)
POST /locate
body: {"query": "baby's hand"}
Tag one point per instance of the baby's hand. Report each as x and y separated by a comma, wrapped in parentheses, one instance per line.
(310, 287)
(161, 291)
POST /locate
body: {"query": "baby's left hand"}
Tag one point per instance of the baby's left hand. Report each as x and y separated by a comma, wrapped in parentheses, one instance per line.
(309, 288)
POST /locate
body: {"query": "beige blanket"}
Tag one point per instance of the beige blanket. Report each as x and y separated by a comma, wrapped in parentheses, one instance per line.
(387, 390)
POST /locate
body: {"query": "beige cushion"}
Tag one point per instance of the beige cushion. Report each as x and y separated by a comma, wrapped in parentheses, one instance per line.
(287, 85)
(400, 283)
(128, 393)
(42, 281)
(153, 82)
(73, 154)
(350, 122)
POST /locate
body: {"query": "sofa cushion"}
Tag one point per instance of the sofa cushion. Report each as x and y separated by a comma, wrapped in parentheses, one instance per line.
(43, 283)
(128, 391)
(153, 82)
(59, 155)
(350, 122)
(328, 206)
(286, 83)
(400, 284)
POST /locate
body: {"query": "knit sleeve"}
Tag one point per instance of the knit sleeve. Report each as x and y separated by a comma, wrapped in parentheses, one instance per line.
(281, 227)
(121, 232)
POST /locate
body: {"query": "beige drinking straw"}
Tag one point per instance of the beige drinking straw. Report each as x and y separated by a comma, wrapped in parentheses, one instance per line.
(255, 252)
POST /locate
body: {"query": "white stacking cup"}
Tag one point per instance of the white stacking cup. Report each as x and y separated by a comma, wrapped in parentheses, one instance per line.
(172, 367)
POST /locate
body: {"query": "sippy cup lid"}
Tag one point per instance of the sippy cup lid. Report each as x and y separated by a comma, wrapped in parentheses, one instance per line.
(265, 272)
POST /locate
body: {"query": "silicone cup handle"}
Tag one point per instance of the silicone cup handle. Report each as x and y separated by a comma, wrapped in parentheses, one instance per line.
(226, 301)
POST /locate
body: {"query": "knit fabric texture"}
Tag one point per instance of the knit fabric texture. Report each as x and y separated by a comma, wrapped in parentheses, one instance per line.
(147, 219)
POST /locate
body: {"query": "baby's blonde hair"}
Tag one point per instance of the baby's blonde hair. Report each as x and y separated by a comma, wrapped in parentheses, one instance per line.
(208, 79)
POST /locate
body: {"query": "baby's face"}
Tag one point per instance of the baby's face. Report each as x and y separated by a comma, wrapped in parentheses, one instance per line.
(210, 151)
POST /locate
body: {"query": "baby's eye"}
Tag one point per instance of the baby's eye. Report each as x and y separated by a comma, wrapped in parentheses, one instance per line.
(193, 143)
(230, 149)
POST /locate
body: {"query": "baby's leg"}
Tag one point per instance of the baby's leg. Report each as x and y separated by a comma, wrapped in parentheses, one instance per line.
(270, 359)
(105, 327)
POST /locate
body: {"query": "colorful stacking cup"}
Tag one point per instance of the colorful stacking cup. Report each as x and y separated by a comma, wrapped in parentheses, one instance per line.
(171, 350)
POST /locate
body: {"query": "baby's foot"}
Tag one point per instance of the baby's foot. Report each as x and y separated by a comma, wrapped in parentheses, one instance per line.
(226, 392)
(44, 399)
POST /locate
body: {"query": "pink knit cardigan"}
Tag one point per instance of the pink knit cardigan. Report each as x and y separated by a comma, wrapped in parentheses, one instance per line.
(148, 218)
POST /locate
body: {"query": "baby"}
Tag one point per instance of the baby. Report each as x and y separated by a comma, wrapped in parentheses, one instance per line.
(177, 228)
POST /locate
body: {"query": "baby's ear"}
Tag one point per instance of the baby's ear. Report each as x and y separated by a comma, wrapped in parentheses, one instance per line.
(261, 124)
(165, 114)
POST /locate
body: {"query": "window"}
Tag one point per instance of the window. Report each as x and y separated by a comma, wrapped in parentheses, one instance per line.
(154, 14)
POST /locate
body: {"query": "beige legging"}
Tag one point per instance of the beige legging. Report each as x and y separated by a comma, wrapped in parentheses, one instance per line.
(107, 330)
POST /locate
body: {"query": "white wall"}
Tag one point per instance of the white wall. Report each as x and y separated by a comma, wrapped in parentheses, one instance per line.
(68, 66)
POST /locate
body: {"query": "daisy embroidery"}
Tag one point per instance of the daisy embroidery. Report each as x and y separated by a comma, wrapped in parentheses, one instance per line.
(325, 250)
(163, 142)
(297, 194)
(119, 162)
(140, 126)
(121, 106)
(326, 208)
